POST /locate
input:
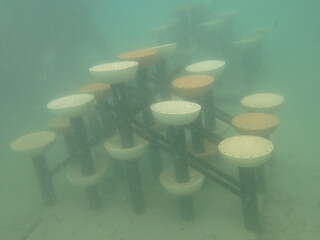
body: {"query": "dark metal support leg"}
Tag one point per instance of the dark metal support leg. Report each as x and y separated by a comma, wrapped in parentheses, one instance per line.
(85, 159)
(134, 182)
(155, 158)
(44, 180)
(127, 141)
(260, 178)
(182, 173)
(197, 135)
(154, 153)
(249, 199)
(208, 111)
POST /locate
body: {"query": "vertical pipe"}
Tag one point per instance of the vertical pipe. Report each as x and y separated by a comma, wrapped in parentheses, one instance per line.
(155, 158)
(108, 121)
(208, 111)
(145, 98)
(126, 138)
(260, 178)
(145, 101)
(197, 137)
(120, 103)
(85, 159)
(70, 146)
(135, 188)
(106, 116)
(42, 172)
(182, 172)
(249, 199)
(165, 93)
(181, 166)
(81, 142)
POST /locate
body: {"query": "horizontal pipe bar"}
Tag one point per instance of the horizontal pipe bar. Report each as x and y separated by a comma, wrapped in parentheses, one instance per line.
(152, 133)
(60, 166)
(211, 137)
(217, 180)
(104, 133)
(222, 115)
(208, 166)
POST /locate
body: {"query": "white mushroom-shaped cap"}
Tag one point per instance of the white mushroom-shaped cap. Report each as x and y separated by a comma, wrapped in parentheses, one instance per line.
(34, 144)
(71, 106)
(114, 149)
(211, 67)
(115, 72)
(76, 177)
(246, 151)
(262, 102)
(175, 113)
(169, 183)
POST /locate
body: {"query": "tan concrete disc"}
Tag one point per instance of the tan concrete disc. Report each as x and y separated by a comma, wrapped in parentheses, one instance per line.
(192, 86)
(258, 124)
(59, 125)
(34, 144)
(144, 57)
(98, 89)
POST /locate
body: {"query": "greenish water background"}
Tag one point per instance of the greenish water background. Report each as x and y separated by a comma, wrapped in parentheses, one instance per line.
(34, 34)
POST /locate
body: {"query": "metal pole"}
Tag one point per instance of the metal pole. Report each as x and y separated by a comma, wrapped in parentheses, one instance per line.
(126, 138)
(44, 177)
(249, 199)
(182, 172)
(208, 111)
(84, 158)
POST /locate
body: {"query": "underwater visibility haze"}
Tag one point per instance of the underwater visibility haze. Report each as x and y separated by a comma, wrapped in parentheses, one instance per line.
(121, 162)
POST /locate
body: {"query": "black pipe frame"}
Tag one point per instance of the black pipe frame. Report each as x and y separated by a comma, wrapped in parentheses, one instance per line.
(208, 111)
(181, 169)
(229, 183)
(145, 100)
(43, 175)
(249, 199)
(247, 192)
(223, 116)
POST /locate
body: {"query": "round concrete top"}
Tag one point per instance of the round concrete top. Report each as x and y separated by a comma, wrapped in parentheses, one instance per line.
(262, 102)
(98, 89)
(246, 150)
(259, 124)
(34, 144)
(192, 86)
(175, 113)
(144, 57)
(71, 106)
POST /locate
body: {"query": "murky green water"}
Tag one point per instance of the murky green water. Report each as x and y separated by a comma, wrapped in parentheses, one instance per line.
(46, 50)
